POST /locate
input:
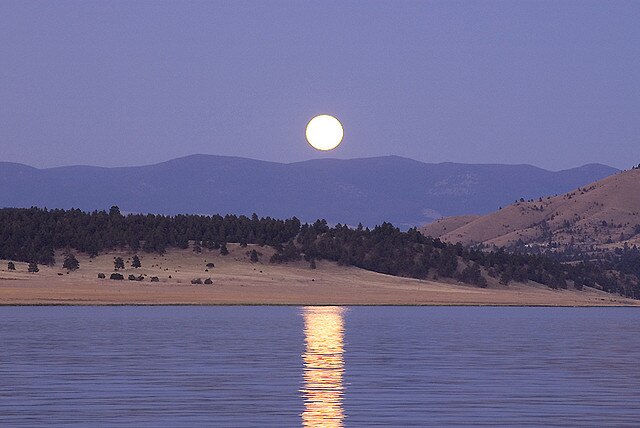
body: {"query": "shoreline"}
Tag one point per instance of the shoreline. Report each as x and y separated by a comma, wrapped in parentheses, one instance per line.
(296, 305)
(239, 282)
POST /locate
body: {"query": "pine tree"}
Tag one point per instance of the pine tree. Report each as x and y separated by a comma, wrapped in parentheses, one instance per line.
(33, 267)
(11, 266)
(118, 263)
(114, 212)
(135, 262)
(70, 262)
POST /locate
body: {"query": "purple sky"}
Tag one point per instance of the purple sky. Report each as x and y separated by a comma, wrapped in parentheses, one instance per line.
(554, 84)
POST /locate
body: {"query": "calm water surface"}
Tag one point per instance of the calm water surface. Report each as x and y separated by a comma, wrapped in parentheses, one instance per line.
(319, 366)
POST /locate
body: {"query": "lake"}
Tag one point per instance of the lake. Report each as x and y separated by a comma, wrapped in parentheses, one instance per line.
(319, 366)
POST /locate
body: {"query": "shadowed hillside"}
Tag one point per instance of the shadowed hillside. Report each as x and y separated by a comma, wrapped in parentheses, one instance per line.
(369, 190)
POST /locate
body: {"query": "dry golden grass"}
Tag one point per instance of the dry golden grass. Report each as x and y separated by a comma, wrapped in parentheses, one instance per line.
(447, 224)
(603, 214)
(238, 281)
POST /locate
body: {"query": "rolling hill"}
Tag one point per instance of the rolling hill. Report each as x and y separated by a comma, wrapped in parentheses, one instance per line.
(369, 190)
(599, 216)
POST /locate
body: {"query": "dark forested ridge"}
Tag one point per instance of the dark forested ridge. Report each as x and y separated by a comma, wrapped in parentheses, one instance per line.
(402, 191)
(32, 235)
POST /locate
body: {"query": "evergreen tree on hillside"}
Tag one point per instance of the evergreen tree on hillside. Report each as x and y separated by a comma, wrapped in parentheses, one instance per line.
(33, 267)
(473, 275)
(71, 262)
(118, 263)
(135, 262)
(114, 212)
(223, 249)
(11, 266)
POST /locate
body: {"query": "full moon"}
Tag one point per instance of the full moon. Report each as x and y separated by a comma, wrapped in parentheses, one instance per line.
(324, 132)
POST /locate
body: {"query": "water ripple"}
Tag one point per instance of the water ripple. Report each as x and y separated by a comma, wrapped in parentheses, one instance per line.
(284, 366)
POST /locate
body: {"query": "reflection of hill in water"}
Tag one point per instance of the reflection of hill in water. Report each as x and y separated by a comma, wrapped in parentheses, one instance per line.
(323, 367)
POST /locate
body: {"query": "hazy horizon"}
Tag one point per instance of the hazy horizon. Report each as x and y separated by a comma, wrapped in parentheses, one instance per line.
(307, 160)
(552, 84)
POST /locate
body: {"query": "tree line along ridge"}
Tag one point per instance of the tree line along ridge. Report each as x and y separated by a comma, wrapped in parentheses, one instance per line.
(33, 234)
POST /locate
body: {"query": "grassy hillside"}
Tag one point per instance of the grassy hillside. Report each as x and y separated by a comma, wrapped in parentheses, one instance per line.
(34, 235)
(601, 215)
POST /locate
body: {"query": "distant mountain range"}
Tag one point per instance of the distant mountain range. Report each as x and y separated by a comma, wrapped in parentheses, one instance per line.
(368, 190)
(598, 216)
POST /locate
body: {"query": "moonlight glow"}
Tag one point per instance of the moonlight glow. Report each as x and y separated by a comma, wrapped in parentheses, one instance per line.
(324, 132)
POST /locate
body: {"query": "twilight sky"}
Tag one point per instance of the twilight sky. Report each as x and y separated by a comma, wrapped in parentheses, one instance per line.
(554, 84)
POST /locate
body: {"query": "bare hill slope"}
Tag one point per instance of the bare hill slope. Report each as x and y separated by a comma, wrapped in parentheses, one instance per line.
(603, 214)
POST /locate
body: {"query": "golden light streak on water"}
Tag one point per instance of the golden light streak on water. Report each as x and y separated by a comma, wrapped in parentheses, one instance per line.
(323, 367)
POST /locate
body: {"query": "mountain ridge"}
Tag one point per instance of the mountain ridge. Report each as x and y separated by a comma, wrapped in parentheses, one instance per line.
(400, 190)
(382, 157)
